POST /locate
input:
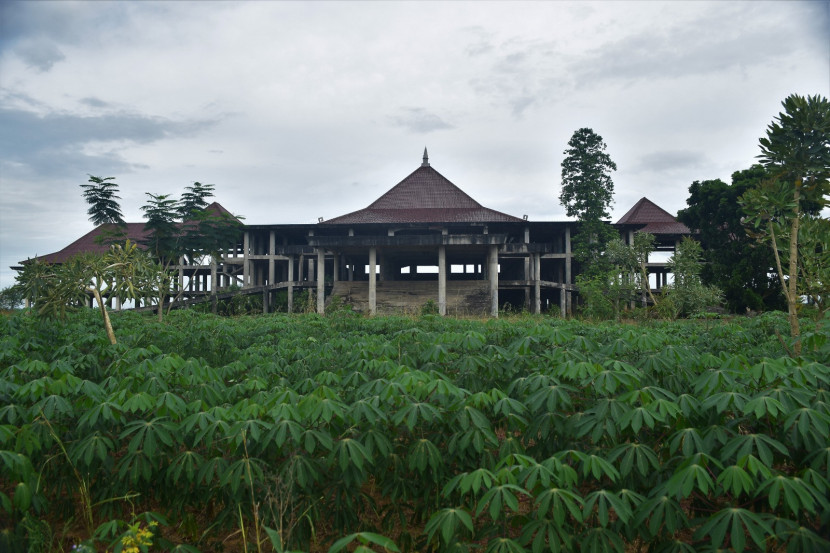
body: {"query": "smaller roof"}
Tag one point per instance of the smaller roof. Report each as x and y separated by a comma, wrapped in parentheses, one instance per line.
(98, 240)
(655, 219)
(92, 242)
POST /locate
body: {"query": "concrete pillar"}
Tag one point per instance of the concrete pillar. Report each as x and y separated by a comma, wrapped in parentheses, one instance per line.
(290, 283)
(336, 262)
(568, 261)
(246, 263)
(272, 248)
(537, 283)
(310, 269)
(321, 282)
(493, 274)
(442, 280)
(373, 292)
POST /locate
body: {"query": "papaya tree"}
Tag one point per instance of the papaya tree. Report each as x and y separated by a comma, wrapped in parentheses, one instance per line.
(55, 289)
(796, 151)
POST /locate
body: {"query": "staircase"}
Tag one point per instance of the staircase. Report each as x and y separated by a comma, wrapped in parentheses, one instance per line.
(464, 297)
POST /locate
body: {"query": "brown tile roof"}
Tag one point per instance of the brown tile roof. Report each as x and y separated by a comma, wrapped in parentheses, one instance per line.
(656, 219)
(91, 241)
(425, 196)
(218, 209)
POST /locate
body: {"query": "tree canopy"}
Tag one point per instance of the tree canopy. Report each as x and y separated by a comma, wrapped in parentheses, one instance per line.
(587, 188)
(587, 194)
(735, 263)
(102, 196)
(796, 152)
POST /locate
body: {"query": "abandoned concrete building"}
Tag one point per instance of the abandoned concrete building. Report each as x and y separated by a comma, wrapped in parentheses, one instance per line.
(424, 240)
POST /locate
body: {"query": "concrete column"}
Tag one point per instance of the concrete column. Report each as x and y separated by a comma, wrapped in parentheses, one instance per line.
(290, 283)
(213, 286)
(301, 268)
(568, 262)
(246, 262)
(310, 269)
(336, 262)
(537, 283)
(321, 282)
(442, 280)
(373, 292)
(493, 274)
(272, 248)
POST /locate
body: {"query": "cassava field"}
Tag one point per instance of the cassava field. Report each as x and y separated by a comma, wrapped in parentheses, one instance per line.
(411, 434)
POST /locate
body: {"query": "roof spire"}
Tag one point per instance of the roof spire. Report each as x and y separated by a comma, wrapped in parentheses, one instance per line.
(426, 158)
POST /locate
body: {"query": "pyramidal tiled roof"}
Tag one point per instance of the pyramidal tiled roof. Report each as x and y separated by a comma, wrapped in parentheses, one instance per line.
(425, 196)
(656, 219)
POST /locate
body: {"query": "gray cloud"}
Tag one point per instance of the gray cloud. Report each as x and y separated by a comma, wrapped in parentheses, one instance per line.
(54, 144)
(94, 102)
(698, 47)
(40, 55)
(419, 120)
(670, 160)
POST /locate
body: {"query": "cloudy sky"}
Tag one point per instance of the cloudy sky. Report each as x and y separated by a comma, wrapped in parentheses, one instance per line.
(300, 110)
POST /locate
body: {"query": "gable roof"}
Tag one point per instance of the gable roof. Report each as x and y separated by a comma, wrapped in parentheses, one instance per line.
(425, 196)
(655, 219)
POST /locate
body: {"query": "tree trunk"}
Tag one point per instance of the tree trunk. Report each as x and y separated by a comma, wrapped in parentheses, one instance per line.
(792, 293)
(104, 314)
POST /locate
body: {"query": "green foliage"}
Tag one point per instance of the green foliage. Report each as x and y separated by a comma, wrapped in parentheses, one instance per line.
(11, 297)
(587, 193)
(734, 261)
(430, 307)
(687, 295)
(522, 435)
(101, 195)
(796, 151)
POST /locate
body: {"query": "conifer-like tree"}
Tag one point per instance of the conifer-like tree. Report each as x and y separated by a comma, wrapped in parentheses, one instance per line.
(587, 194)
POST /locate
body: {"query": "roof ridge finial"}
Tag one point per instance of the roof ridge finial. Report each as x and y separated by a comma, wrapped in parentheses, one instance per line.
(426, 158)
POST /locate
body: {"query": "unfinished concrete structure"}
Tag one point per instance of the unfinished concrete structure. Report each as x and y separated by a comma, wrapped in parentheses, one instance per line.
(424, 240)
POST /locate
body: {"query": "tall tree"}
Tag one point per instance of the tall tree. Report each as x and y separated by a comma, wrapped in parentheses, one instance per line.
(184, 229)
(102, 197)
(587, 194)
(735, 262)
(796, 151)
(161, 212)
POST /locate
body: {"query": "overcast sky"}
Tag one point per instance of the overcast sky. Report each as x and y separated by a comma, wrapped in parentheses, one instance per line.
(300, 110)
